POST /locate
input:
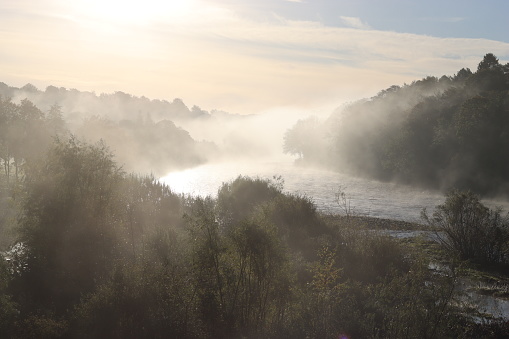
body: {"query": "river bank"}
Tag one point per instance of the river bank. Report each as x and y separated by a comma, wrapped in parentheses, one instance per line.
(374, 223)
(481, 291)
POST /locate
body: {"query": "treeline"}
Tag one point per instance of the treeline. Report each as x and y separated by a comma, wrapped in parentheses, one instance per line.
(436, 132)
(140, 145)
(99, 253)
(25, 134)
(115, 106)
(144, 145)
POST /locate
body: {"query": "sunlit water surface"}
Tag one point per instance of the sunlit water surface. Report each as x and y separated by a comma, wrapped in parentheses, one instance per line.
(366, 197)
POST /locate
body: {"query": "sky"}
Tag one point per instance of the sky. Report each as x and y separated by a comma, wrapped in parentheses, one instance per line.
(244, 56)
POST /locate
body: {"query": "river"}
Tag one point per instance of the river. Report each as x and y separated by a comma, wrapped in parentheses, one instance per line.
(366, 197)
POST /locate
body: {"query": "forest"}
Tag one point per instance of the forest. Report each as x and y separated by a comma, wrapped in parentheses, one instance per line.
(440, 133)
(91, 249)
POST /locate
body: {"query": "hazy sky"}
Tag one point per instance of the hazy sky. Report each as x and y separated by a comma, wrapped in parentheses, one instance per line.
(245, 56)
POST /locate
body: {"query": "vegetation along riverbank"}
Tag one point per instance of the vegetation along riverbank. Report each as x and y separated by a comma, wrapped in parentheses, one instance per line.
(101, 253)
(90, 250)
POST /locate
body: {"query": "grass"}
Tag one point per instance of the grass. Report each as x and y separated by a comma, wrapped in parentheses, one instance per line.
(498, 290)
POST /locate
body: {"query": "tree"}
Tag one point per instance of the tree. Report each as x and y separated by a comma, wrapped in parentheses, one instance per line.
(489, 61)
(462, 75)
(32, 139)
(304, 139)
(8, 112)
(326, 293)
(147, 210)
(260, 287)
(67, 223)
(30, 88)
(55, 121)
(240, 263)
(236, 200)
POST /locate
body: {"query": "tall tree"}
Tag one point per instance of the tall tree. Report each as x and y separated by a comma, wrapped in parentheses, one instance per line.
(489, 61)
(67, 223)
(55, 121)
(8, 111)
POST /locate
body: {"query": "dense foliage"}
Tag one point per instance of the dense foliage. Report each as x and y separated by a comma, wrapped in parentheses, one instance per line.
(26, 133)
(100, 253)
(91, 251)
(436, 132)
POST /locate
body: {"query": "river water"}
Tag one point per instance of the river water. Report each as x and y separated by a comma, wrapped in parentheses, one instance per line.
(365, 197)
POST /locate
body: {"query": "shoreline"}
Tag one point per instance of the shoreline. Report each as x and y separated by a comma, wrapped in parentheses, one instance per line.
(374, 222)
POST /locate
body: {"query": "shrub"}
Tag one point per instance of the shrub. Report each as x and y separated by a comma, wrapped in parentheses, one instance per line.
(466, 227)
(237, 199)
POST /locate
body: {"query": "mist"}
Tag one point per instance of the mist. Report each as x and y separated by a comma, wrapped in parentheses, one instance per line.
(214, 169)
(416, 134)
(435, 133)
(178, 221)
(160, 136)
(420, 133)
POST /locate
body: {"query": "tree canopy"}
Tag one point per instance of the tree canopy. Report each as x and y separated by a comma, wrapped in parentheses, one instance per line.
(439, 133)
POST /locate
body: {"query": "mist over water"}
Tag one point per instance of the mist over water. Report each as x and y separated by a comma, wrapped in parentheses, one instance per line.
(366, 197)
(248, 137)
(209, 199)
(158, 136)
(196, 151)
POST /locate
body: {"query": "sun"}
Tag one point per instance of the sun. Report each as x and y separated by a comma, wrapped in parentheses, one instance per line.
(135, 11)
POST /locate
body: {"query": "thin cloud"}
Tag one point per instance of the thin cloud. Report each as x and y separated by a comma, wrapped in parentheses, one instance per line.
(354, 22)
(444, 19)
(219, 59)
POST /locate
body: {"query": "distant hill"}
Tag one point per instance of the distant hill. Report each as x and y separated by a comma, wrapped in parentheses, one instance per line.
(154, 135)
(140, 132)
(115, 106)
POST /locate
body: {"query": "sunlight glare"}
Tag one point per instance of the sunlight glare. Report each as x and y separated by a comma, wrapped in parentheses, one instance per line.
(136, 11)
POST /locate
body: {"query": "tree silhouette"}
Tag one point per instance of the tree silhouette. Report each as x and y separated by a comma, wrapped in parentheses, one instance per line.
(489, 61)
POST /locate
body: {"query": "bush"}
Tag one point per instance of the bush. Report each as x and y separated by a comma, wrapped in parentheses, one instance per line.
(466, 227)
(144, 300)
(237, 199)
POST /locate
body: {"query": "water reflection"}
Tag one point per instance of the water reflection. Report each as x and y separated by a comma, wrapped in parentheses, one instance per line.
(367, 197)
(485, 304)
